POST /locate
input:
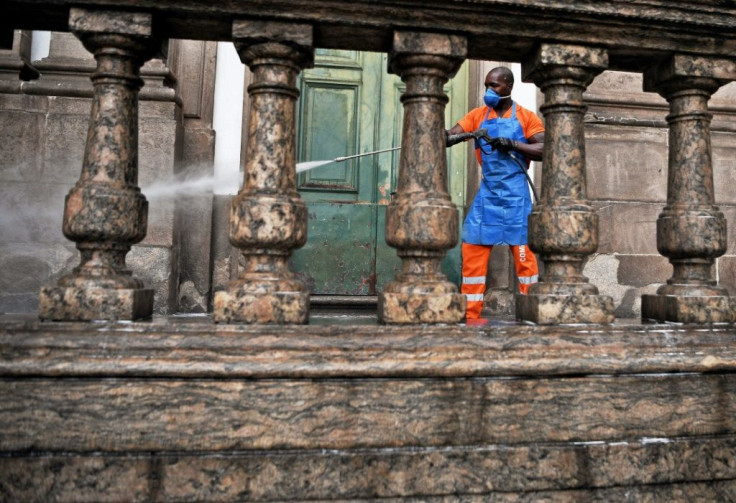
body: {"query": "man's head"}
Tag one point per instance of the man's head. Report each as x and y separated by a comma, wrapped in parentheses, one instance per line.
(501, 80)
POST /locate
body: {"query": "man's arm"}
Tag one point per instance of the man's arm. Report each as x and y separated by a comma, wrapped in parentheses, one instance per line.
(456, 129)
(532, 150)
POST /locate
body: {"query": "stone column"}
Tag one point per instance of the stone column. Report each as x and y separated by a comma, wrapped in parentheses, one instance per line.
(563, 227)
(691, 231)
(422, 221)
(268, 219)
(105, 213)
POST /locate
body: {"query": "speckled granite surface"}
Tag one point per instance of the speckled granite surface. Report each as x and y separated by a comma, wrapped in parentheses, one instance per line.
(105, 212)
(268, 219)
(421, 220)
(183, 409)
(691, 230)
(563, 226)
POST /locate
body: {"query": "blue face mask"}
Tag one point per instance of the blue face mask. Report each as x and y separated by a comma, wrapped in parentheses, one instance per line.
(492, 98)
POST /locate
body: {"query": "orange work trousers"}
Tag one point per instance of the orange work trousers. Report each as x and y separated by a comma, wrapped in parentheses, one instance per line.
(475, 268)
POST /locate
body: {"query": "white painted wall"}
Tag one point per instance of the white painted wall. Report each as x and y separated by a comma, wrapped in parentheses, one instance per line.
(228, 117)
(40, 45)
(524, 93)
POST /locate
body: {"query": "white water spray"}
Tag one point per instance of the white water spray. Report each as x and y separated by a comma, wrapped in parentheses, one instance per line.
(231, 183)
(218, 184)
(306, 166)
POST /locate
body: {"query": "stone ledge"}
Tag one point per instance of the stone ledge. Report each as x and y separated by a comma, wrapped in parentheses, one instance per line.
(166, 348)
(545, 309)
(224, 414)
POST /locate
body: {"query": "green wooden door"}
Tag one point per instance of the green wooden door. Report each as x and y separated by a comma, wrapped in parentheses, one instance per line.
(349, 104)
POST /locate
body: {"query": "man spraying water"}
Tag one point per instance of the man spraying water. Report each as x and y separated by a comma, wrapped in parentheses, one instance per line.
(500, 210)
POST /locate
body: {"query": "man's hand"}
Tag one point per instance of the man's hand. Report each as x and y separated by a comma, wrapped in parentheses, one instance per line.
(503, 144)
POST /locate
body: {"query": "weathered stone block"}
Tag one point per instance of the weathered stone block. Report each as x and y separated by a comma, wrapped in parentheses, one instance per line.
(727, 273)
(635, 228)
(500, 267)
(31, 213)
(643, 270)
(156, 266)
(724, 165)
(626, 163)
(604, 210)
(224, 254)
(429, 307)
(20, 135)
(65, 136)
(26, 268)
(565, 309)
(681, 309)
(87, 304)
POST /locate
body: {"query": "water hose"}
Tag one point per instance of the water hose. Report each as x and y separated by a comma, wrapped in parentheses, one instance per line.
(526, 174)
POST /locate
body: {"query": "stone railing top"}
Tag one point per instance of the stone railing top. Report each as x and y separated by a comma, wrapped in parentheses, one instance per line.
(635, 32)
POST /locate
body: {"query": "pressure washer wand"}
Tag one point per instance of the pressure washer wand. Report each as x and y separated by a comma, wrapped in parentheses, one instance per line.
(345, 158)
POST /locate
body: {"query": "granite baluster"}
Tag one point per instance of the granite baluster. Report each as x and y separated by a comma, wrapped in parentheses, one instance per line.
(563, 226)
(691, 231)
(422, 221)
(105, 212)
(268, 219)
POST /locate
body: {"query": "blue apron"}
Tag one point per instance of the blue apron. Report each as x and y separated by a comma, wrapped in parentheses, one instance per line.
(499, 213)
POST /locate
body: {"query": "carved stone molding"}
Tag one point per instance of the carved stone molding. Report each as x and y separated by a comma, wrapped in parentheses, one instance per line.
(15, 63)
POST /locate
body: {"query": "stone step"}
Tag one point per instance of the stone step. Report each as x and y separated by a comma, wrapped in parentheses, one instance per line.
(183, 410)
(695, 469)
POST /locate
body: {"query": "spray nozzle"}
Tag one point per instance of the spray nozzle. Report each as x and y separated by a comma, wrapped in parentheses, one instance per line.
(454, 139)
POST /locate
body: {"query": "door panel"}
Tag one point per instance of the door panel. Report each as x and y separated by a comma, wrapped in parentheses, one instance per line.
(338, 256)
(337, 117)
(329, 127)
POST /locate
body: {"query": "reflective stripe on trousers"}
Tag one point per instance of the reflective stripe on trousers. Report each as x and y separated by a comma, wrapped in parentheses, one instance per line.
(475, 268)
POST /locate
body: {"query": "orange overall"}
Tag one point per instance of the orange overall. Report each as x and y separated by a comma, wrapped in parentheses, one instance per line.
(475, 268)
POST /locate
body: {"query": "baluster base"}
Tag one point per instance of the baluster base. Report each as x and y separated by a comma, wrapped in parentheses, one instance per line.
(551, 309)
(245, 304)
(417, 307)
(688, 309)
(86, 304)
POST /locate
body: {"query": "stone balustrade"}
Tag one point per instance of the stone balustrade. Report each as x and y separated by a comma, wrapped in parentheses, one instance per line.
(105, 213)
(685, 52)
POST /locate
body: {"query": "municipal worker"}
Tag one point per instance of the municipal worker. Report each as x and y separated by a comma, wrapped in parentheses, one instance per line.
(500, 211)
